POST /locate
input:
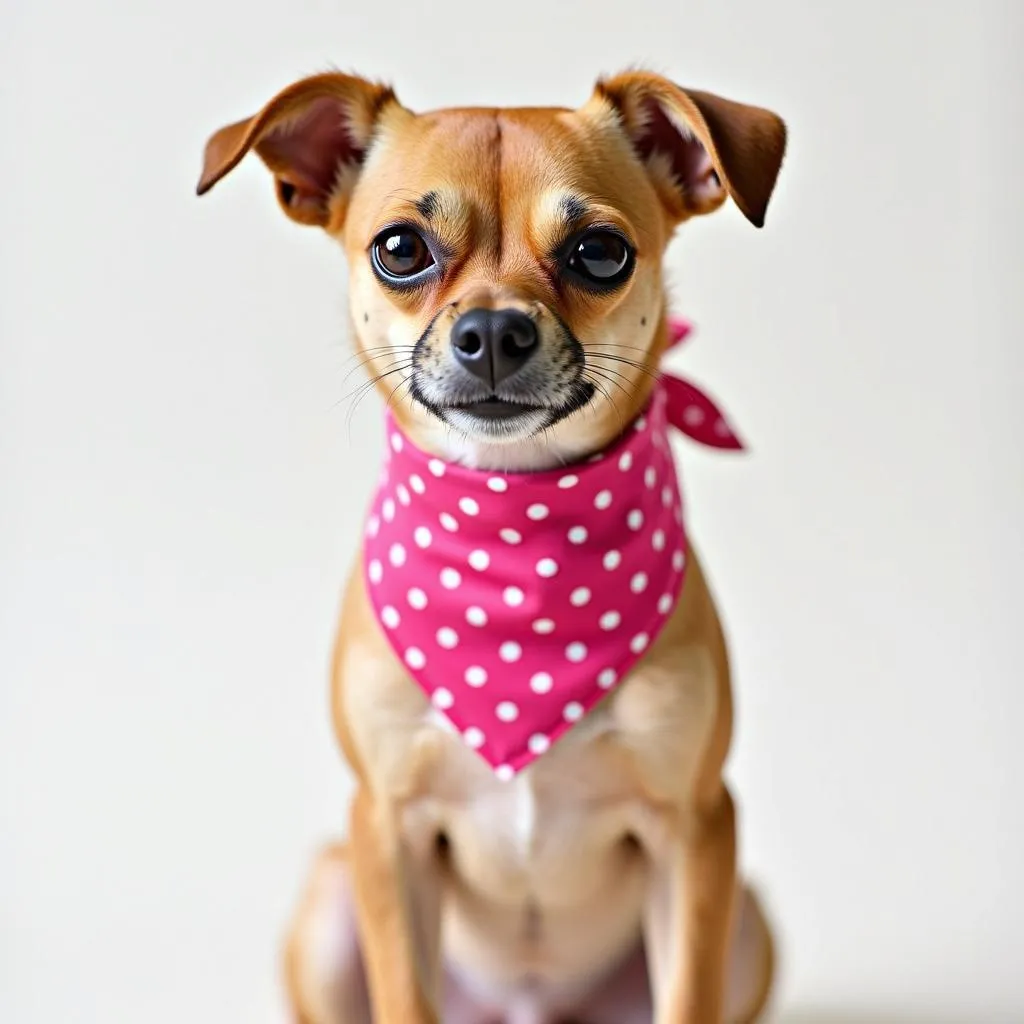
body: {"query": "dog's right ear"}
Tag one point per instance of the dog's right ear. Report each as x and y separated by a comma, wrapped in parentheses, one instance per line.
(313, 136)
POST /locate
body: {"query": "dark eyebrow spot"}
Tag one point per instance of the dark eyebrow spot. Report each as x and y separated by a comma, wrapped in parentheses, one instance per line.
(428, 205)
(572, 209)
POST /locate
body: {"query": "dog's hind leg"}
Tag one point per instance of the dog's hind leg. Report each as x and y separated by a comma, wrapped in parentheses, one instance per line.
(751, 961)
(322, 964)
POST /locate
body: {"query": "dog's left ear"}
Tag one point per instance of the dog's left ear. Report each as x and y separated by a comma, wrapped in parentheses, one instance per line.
(698, 148)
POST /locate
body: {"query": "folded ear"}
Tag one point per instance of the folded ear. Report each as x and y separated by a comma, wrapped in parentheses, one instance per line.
(698, 148)
(313, 136)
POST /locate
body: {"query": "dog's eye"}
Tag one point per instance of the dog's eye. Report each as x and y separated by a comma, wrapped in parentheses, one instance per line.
(400, 253)
(601, 258)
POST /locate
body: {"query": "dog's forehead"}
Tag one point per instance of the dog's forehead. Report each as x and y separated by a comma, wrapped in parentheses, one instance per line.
(522, 164)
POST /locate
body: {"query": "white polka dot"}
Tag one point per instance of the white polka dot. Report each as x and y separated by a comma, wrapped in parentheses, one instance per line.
(497, 484)
(469, 506)
(504, 773)
(372, 526)
(722, 428)
(417, 484)
(693, 415)
(403, 494)
(658, 540)
(474, 738)
(603, 499)
(650, 477)
(578, 534)
(375, 571)
(442, 698)
(625, 461)
(539, 743)
(436, 466)
(449, 522)
(543, 626)
(476, 616)
(422, 536)
(641, 423)
(450, 578)
(573, 711)
(666, 495)
(510, 536)
(541, 682)
(580, 596)
(396, 555)
(513, 596)
(547, 567)
(610, 620)
(447, 638)
(665, 604)
(576, 651)
(635, 519)
(476, 676)
(639, 642)
(569, 480)
(606, 678)
(415, 658)
(396, 442)
(510, 651)
(417, 598)
(387, 510)
(638, 584)
(479, 559)
(678, 561)
(612, 560)
(507, 711)
(537, 512)
(389, 616)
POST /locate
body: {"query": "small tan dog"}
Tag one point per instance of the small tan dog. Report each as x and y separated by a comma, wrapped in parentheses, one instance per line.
(599, 885)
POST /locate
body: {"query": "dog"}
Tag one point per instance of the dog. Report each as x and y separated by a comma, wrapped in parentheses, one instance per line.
(542, 834)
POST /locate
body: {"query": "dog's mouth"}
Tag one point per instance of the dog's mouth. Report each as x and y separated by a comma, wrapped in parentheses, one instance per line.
(504, 419)
(496, 408)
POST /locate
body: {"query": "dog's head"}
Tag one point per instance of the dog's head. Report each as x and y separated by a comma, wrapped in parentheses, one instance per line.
(506, 265)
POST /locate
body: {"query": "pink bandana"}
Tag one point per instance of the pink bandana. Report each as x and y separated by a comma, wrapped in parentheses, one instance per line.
(517, 600)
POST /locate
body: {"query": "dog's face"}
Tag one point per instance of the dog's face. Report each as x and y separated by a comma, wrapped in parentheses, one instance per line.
(506, 282)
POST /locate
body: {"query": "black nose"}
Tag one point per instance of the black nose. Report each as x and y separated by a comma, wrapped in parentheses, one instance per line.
(493, 343)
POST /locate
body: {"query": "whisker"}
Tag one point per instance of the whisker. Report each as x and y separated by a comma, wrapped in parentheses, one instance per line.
(607, 394)
(366, 386)
(611, 344)
(365, 364)
(614, 376)
(627, 362)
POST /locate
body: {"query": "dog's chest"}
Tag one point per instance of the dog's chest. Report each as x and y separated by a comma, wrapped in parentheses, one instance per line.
(554, 830)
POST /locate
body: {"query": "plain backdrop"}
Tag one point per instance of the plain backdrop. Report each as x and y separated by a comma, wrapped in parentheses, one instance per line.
(181, 484)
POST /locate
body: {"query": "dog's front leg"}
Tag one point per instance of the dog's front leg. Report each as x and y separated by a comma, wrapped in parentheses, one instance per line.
(398, 909)
(688, 916)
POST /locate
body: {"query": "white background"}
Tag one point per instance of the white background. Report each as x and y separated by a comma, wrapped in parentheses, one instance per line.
(180, 490)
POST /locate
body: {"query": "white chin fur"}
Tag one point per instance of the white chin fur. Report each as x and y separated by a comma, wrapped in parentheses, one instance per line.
(494, 431)
(515, 446)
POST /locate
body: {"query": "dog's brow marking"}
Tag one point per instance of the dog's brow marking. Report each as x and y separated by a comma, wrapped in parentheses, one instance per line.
(428, 205)
(572, 209)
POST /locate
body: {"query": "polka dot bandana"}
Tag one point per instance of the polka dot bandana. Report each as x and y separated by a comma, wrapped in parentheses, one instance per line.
(518, 600)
